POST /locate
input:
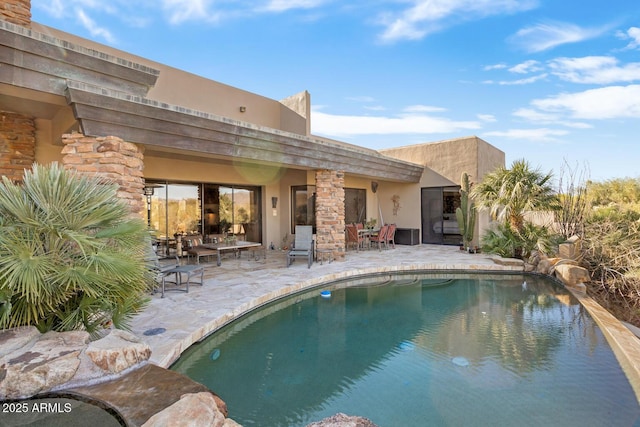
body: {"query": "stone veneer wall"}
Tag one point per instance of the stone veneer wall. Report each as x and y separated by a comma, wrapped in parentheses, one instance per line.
(110, 157)
(17, 144)
(16, 11)
(330, 212)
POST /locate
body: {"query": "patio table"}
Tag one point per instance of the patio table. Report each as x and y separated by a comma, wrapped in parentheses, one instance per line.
(366, 233)
(231, 246)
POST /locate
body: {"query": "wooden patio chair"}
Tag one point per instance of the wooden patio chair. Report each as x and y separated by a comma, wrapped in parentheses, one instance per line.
(381, 237)
(353, 237)
(391, 235)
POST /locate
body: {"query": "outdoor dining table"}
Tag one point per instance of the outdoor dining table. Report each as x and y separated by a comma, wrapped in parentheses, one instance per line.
(235, 245)
(367, 233)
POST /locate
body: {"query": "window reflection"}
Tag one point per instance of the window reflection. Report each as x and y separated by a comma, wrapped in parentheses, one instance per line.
(207, 209)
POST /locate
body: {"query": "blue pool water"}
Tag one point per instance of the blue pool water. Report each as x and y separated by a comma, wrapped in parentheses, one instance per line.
(428, 350)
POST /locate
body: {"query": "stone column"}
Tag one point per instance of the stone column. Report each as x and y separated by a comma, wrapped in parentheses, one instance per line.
(119, 161)
(16, 11)
(17, 144)
(330, 212)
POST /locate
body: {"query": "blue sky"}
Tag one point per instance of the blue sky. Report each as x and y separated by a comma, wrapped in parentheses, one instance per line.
(550, 81)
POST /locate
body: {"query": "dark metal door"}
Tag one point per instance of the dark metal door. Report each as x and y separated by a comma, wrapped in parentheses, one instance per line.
(432, 215)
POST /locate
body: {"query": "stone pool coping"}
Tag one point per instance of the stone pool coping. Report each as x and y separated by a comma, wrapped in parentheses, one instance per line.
(241, 285)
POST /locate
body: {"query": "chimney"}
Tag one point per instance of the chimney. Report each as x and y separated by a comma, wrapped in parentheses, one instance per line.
(16, 11)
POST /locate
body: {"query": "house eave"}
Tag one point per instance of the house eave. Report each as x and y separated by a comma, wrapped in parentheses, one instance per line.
(103, 112)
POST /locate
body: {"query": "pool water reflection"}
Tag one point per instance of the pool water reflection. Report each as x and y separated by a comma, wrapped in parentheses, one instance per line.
(419, 350)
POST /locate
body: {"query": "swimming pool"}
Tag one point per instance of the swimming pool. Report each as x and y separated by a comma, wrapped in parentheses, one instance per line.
(414, 350)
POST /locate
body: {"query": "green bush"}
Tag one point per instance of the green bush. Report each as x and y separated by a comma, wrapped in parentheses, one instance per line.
(71, 256)
(504, 241)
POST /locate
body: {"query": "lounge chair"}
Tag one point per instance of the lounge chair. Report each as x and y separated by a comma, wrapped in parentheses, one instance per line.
(164, 268)
(302, 246)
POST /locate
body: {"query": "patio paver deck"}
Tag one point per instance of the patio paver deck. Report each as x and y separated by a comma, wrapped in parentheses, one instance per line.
(239, 285)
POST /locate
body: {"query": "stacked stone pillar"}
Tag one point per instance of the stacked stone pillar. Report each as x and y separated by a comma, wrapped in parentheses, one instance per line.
(119, 161)
(17, 144)
(330, 212)
(16, 11)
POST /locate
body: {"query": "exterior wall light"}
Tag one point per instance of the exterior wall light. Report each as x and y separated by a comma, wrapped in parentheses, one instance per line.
(243, 108)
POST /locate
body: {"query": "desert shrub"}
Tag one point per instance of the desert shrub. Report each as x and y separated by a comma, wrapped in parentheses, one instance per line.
(71, 256)
(612, 255)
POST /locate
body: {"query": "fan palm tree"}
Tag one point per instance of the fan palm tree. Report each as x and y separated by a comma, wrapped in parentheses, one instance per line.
(510, 193)
(71, 255)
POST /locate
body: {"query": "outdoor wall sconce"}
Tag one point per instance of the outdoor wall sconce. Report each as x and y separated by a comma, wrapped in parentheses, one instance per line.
(274, 205)
(374, 186)
(243, 108)
(148, 192)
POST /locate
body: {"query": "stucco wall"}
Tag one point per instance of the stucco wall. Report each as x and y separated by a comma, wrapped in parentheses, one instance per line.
(444, 162)
(184, 89)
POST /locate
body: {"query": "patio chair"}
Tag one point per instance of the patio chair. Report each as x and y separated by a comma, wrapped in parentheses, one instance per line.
(353, 237)
(391, 236)
(381, 237)
(163, 268)
(302, 245)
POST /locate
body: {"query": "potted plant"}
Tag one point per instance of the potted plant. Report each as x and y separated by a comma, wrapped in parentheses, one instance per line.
(370, 224)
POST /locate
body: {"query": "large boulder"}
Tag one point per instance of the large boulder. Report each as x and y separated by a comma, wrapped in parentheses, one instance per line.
(571, 249)
(33, 363)
(342, 420)
(572, 275)
(193, 409)
(118, 351)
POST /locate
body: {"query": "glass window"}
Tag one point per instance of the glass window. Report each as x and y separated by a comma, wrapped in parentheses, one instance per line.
(355, 205)
(206, 209)
(303, 206)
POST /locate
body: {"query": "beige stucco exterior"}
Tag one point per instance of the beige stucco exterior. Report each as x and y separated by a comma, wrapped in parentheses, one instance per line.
(193, 129)
(444, 162)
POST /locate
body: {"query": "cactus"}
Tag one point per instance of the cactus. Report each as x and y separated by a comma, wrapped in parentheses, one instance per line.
(466, 213)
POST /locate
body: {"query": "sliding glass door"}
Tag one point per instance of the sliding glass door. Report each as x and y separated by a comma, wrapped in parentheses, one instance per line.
(207, 209)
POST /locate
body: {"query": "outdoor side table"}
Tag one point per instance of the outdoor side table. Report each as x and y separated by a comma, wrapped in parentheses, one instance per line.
(322, 253)
(189, 270)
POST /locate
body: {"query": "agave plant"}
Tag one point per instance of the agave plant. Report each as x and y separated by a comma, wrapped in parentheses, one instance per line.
(71, 255)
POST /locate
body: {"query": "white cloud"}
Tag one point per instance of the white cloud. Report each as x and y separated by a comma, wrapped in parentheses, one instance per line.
(94, 29)
(284, 5)
(632, 34)
(494, 67)
(341, 126)
(612, 102)
(526, 81)
(594, 70)
(489, 118)
(530, 66)
(536, 116)
(536, 135)
(428, 16)
(423, 109)
(545, 36)
(375, 108)
(179, 11)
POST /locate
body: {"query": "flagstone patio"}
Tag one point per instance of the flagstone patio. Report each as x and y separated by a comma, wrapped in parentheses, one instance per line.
(173, 323)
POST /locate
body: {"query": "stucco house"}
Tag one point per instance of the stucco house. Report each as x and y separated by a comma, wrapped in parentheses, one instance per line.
(195, 155)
